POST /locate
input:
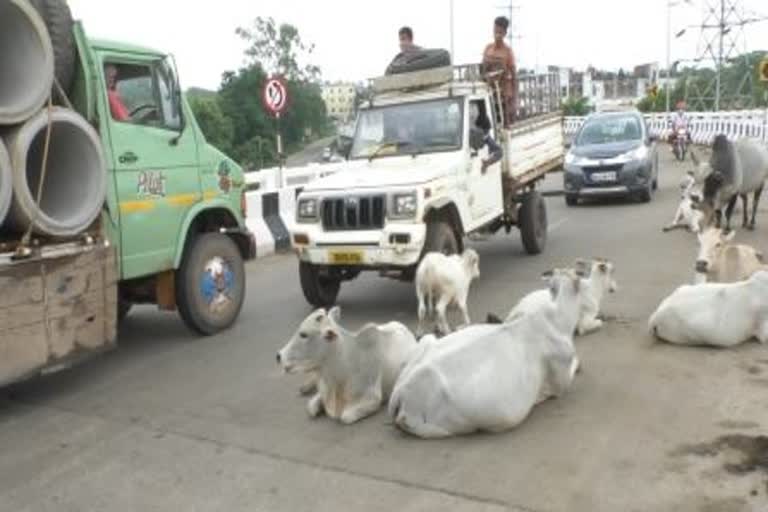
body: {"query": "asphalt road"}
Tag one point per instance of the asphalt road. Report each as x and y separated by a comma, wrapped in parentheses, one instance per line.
(171, 422)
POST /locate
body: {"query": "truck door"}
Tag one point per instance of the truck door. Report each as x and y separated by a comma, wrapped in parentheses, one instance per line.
(485, 192)
(155, 158)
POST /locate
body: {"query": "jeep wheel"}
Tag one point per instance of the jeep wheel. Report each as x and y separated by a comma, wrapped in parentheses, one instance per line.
(441, 238)
(210, 284)
(320, 291)
(532, 220)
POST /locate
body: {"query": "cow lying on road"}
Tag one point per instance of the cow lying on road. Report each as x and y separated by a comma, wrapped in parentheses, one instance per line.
(687, 216)
(355, 370)
(718, 314)
(489, 377)
(442, 281)
(720, 261)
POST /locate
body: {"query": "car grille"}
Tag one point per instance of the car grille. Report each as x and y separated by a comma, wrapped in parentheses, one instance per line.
(353, 213)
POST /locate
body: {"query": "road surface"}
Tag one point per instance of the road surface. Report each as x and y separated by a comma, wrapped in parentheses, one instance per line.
(171, 422)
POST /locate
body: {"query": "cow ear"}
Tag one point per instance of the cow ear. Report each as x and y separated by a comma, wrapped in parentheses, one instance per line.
(546, 276)
(330, 335)
(335, 314)
(603, 267)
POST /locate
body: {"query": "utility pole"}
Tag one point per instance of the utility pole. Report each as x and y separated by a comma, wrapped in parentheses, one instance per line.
(721, 33)
(453, 55)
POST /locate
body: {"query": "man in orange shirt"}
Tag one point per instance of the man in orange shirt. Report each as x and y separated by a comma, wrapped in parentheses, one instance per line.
(116, 106)
(498, 56)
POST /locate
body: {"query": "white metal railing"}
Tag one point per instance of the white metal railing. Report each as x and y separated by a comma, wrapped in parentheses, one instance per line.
(704, 126)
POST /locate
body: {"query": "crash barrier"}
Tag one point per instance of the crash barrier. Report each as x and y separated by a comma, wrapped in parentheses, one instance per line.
(704, 126)
(272, 192)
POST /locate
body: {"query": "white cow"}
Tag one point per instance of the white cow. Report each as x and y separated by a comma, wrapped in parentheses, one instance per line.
(442, 281)
(600, 281)
(355, 371)
(717, 314)
(489, 377)
(720, 261)
(686, 216)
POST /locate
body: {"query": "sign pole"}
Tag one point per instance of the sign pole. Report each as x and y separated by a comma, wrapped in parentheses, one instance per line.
(279, 175)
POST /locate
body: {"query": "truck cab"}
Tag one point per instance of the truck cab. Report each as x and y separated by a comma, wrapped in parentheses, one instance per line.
(415, 182)
(175, 204)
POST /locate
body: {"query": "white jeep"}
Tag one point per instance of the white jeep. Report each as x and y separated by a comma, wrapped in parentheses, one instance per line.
(414, 180)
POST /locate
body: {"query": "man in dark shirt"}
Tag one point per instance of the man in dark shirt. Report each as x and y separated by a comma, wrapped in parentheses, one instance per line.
(406, 40)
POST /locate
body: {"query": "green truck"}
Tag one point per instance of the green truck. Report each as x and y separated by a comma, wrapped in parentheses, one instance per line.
(171, 232)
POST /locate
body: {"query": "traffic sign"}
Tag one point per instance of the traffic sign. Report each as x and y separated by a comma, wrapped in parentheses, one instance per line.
(764, 70)
(275, 96)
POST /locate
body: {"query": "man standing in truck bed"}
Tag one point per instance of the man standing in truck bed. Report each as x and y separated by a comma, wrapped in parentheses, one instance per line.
(498, 56)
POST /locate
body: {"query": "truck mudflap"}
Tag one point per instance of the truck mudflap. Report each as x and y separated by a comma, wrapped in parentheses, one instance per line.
(57, 307)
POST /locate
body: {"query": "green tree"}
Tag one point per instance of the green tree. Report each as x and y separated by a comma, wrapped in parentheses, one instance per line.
(574, 106)
(216, 127)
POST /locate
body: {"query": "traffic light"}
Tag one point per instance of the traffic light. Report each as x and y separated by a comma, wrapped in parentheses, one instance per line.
(763, 70)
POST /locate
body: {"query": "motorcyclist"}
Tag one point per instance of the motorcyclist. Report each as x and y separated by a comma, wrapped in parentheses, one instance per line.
(680, 122)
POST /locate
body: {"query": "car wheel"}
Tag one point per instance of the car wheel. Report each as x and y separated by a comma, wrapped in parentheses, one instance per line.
(532, 220)
(210, 284)
(319, 290)
(441, 238)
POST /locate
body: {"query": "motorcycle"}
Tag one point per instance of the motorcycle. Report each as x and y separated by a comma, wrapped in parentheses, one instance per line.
(680, 143)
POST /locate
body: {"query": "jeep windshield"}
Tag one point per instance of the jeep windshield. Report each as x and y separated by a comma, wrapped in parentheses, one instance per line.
(409, 128)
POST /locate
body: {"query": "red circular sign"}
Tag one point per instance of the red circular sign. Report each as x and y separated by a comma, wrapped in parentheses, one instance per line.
(275, 96)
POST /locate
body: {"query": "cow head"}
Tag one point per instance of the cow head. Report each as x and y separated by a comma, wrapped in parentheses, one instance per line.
(605, 270)
(563, 282)
(312, 342)
(471, 262)
(712, 241)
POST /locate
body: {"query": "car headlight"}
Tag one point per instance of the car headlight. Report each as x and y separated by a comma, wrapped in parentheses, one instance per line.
(307, 210)
(404, 205)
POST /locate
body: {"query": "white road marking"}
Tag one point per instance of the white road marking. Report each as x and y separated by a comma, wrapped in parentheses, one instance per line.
(557, 224)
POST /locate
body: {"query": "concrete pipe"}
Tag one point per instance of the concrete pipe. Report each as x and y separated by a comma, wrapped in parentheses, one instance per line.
(26, 61)
(6, 183)
(75, 181)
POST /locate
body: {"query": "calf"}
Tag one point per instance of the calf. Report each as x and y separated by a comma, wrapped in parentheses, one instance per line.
(355, 371)
(687, 215)
(717, 314)
(442, 281)
(600, 281)
(721, 261)
(489, 377)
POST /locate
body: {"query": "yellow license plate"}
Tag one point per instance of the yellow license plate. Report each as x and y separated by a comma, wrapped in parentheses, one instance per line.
(345, 257)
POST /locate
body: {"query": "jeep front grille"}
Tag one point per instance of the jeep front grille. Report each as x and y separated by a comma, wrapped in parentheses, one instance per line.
(353, 213)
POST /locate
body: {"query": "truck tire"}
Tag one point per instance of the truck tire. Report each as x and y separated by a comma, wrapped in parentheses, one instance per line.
(210, 284)
(532, 220)
(58, 20)
(441, 238)
(320, 291)
(418, 60)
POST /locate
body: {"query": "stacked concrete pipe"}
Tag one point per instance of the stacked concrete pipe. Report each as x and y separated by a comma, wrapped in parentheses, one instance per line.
(26, 61)
(75, 182)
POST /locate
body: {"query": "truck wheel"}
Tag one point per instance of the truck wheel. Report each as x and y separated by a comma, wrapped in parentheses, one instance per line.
(320, 291)
(58, 20)
(441, 238)
(210, 284)
(532, 219)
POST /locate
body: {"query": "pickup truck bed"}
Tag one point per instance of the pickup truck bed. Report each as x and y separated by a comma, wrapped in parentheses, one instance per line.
(55, 307)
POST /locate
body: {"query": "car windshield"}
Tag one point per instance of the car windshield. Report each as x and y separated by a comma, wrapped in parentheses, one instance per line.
(605, 130)
(427, 126)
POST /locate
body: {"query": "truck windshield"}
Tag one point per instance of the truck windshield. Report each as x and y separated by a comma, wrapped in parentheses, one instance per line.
(420, 127)
(604, 130)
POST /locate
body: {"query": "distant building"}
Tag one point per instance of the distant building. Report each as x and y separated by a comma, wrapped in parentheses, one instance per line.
(339, 99)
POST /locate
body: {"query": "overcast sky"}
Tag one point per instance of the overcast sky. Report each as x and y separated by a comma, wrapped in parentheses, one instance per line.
(356, 39)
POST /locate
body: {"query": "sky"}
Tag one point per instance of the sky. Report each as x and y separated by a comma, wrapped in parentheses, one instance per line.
(356, 39)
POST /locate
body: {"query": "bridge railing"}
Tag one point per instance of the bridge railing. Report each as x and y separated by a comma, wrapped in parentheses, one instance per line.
(704, 126)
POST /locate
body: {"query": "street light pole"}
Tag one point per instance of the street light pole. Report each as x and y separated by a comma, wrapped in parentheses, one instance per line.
(669, 57)
(453, 55)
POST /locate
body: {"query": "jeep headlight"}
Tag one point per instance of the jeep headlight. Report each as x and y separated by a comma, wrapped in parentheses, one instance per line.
(307, 210)
(404, 205)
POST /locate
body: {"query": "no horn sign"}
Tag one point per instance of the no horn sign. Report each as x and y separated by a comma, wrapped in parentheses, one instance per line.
(275, 96)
